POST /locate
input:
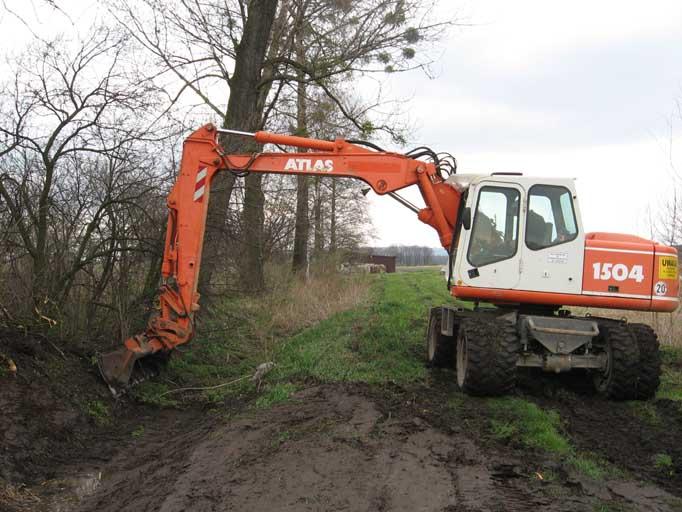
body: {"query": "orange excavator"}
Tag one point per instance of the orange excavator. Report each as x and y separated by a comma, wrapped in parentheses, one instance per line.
(518, 255)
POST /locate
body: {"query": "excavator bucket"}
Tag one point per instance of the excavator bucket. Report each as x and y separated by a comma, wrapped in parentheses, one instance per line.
(116, 368)
(124, 368)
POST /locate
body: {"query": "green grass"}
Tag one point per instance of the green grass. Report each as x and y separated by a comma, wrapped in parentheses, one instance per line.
(138, 432)
(671, 378)
(382, 342)
(664, 463)
(671, 355)
(589, 465)
(276, 394)
(152, 392)
(646, 411)
(99, 412)
(281, 438)
(671, 385)
(517, 420)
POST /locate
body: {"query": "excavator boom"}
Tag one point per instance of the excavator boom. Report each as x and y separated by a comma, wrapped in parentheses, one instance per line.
(172, 324)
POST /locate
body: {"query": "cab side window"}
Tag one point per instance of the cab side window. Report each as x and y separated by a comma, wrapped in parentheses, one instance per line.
(494, 235)
(551, 218)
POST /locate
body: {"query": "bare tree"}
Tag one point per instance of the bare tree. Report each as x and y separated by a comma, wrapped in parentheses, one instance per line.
(67, 162)
(216, 50)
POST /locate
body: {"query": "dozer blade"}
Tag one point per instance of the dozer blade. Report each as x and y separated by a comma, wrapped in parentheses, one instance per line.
(123, 368)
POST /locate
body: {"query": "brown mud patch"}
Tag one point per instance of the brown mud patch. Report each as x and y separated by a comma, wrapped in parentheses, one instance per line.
(352, 447)
(59, 424)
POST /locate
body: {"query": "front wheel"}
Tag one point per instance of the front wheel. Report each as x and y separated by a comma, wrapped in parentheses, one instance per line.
(487, 350)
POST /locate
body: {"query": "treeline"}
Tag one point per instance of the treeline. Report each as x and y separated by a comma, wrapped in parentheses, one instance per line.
(91, 130)
(413, 255)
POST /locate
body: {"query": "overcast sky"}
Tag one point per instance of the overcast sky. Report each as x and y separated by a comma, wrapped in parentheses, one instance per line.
(579, 89)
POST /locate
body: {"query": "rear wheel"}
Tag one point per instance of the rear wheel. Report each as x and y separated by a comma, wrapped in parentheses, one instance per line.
(649, 368)
(440, 349)
(618, 379)
(487, 350)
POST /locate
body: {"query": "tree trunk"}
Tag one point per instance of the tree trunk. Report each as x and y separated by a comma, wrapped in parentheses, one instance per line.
(251, 275)
(332, 219)
(317, 214)
(243, 113)
(302, 229)
(40, 284)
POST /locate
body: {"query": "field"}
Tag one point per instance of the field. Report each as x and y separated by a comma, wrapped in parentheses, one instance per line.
(348, 418)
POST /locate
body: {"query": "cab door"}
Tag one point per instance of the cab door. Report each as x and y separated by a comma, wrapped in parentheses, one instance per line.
(489, 252)
(552, 252)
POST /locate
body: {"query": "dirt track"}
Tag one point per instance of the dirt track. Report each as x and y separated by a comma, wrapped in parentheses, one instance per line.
(330, 449)
(348, 448)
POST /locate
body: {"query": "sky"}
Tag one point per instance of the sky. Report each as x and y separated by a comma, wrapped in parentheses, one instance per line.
(584, 90)
(581, 89)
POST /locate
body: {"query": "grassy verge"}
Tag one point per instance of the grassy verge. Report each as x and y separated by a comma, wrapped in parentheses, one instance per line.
(381, 342)
(337, 328)
(235, 335)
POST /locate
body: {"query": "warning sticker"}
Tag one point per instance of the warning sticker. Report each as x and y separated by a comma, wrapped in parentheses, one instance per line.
(557, 257)
(667, 267)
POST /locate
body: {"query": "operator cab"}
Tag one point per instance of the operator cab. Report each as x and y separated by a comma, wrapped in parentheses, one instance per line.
(519, 233)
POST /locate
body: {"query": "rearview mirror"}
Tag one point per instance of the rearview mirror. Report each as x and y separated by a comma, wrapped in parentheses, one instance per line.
(466, 218)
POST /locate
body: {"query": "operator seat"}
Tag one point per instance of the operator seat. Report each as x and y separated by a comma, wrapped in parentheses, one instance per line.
(538, 232)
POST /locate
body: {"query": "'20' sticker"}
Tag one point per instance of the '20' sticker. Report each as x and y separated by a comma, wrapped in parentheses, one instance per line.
(618, 272)
(660, 288)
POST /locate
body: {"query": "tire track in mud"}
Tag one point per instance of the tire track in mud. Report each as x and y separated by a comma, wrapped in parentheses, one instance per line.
(331, 448)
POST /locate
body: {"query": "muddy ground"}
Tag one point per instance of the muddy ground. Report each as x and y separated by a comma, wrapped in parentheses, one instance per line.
(344, 447)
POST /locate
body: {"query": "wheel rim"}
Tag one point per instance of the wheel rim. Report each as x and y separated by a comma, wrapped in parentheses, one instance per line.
(461, 358)
(603, 378)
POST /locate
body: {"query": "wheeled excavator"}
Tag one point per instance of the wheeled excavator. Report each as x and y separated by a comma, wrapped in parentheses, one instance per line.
(518, 255)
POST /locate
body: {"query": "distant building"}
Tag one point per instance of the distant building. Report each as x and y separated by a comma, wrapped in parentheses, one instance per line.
(387, 261)
(367, 256)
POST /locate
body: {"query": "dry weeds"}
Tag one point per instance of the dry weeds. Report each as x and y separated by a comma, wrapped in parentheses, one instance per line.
(17, 497)
(296, 302)
(668, 326)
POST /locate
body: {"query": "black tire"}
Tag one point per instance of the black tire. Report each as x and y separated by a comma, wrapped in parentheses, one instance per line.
(440, 349)
(649, 369)
(618, 380)
(487, 351)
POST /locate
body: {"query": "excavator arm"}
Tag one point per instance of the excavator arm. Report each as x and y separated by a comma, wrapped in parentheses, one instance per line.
(172, 323)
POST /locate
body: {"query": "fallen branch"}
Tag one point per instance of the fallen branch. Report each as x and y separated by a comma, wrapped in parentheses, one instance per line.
(260, 372)
(204, 388)
(45, 338)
